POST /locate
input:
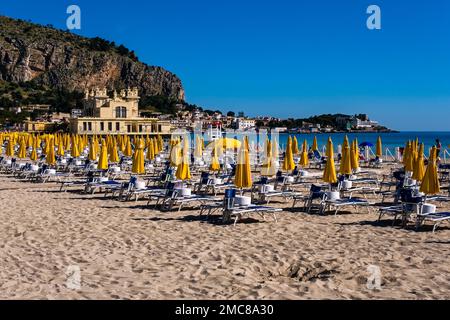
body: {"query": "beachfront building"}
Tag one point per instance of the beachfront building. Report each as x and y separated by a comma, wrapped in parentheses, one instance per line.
(116, 114)
(44, 124)
(38, 126)
(244, 123)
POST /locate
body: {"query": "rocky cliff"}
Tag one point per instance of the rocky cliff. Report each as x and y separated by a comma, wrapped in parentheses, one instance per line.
(59, 59)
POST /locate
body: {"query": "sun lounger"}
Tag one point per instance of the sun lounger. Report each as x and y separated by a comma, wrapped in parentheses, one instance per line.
(130, 189)
(44, 174)
(264, 193)
(315, 193)
(394, 211)
(230, 209)
(436, 218)
(337, 204)
(72, 181)
(202, 184)
(170, 197)
(376, 163)
(411, 205)
(7, 165)
(317, 160)
(106, 186)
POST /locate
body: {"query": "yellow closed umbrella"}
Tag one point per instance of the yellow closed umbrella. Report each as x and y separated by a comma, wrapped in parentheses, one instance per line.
(414, 148)
(156, 146)
(419, 166)
(10, 147)
(60, 149)
(22, 153)
(75, 151)
(243, 176)
(103, 158)
(295, 149)
(122, 144)
(113, 155)
(354, 155)
(288, 162)
(430, 183)
(150, 150)
(346, 161)
(50, 159)
(128, 152)
(38, 140)
(92, 151)
(198, 151)
(265, 147)
(33, 155)
(405, 154)
(268, 168)
(66, 142)
(329, 174)
(345, 144)
(138, 166)
(160, 143)
(183, 172)
(108, 144)
(30, 140)
(175, 154)
(215, 165)
(47, 145)
(408, 157)
(275, 154)
(315, 147)
(304, 161)
(379, 150)
(97, 146)
(80, 145)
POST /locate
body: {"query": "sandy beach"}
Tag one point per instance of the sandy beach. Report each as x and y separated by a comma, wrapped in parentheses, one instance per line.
(126, 251)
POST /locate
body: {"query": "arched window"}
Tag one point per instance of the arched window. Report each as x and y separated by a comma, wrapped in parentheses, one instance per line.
(121, 112)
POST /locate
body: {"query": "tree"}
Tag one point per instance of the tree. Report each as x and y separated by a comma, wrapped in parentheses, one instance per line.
(231, 114)
(160, 103)
(99, 44)
(122, 50)
(133, 56)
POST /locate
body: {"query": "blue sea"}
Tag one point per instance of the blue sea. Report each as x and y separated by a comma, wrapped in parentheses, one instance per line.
(389, 140)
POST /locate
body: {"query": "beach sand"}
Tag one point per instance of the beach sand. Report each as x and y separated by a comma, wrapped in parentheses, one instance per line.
(124, 250)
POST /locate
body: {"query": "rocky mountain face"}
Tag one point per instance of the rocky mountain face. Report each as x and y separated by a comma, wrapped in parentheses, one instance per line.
(59, 59)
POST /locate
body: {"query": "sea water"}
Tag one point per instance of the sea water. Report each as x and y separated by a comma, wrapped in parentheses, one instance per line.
(389, 140)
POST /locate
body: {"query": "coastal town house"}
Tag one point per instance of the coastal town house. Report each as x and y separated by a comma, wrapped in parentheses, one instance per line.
(117, 114)
(38, 126)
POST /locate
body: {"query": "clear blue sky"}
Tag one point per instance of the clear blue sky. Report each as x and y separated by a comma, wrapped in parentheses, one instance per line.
(284, 58)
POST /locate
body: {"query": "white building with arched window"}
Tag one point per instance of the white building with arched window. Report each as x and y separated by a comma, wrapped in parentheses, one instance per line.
(116, 114)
